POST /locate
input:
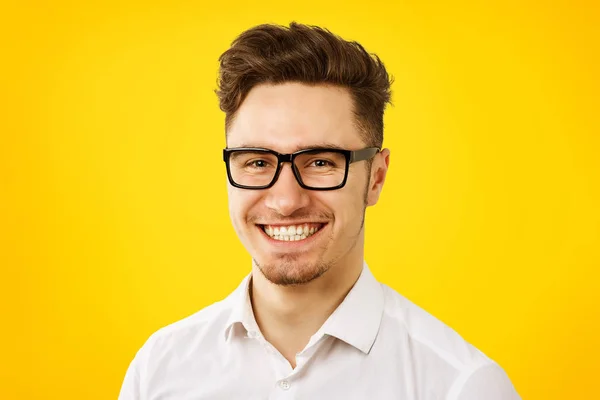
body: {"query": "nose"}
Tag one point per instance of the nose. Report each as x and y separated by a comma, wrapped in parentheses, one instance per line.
(286, 196)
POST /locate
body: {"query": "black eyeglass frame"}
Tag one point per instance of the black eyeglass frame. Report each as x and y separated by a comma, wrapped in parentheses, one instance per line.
(351, 156)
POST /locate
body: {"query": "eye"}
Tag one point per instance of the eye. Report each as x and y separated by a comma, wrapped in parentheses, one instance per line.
(322, 163)
(257, 164)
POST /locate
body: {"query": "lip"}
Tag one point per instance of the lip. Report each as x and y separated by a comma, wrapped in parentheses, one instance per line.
(295, 223)
(291, 244)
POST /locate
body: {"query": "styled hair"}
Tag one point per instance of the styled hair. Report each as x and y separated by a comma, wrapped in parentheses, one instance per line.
(307, 54)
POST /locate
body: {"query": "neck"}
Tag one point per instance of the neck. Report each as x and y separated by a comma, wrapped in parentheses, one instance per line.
(289, 315)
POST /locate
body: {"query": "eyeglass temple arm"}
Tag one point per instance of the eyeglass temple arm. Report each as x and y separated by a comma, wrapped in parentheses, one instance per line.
(364, 154)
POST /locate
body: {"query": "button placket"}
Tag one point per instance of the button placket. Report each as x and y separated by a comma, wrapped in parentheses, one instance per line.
(284, 384)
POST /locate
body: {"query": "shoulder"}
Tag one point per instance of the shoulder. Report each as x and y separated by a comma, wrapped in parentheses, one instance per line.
(488, 382)
(422, 327)
(429, 332)
(201, 328)
(212, 316)
(173, 342)
(438, 353)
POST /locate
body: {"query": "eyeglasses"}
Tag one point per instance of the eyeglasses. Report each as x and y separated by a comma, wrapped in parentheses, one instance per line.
(314, 169)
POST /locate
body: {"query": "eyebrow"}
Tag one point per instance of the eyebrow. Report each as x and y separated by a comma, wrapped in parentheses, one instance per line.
(322, 145)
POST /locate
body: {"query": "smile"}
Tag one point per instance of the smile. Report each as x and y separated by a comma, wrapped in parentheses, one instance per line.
(291, 233)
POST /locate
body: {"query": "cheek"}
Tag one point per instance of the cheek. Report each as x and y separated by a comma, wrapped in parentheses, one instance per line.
(240, 203)
(233, 201)
(354, 202)
(346, 207)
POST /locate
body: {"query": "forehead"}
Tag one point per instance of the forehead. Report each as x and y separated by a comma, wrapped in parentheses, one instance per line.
(290, 116)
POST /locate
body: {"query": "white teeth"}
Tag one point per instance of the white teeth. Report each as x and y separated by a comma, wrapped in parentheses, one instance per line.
(290, 233)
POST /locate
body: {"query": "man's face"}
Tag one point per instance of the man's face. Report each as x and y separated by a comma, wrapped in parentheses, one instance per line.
(286, 118)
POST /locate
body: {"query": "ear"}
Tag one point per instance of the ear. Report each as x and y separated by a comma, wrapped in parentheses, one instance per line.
(379, 169)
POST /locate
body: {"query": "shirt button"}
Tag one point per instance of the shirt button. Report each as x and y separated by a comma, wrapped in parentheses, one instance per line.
(285, 385)
(253, 334)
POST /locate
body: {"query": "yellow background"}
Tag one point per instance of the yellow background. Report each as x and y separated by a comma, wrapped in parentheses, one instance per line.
(113, 208)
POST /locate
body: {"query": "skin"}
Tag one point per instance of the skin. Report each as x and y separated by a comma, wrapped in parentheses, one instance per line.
(296, 286)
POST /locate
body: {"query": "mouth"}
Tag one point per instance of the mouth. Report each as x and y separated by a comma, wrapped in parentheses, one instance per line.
(292, 233)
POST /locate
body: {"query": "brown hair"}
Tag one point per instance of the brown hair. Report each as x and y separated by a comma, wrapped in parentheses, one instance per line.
(309, 54)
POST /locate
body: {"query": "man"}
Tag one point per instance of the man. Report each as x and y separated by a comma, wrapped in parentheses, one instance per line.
(304, 130)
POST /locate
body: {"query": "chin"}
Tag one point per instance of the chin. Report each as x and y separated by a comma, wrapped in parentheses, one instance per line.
(289, 271)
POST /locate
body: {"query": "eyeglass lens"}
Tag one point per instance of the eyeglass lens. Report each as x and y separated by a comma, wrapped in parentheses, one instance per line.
(323, 169)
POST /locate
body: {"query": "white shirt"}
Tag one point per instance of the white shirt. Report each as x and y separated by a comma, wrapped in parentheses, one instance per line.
(376, 345)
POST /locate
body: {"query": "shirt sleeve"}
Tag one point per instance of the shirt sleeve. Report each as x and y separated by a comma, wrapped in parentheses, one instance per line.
(130, 389)
(489, 382)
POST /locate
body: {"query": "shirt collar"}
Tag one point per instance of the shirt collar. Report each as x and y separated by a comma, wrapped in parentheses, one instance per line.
(241, 311)
(356, 320)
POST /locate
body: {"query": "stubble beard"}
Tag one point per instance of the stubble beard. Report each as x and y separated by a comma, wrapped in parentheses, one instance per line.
(289, 272)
